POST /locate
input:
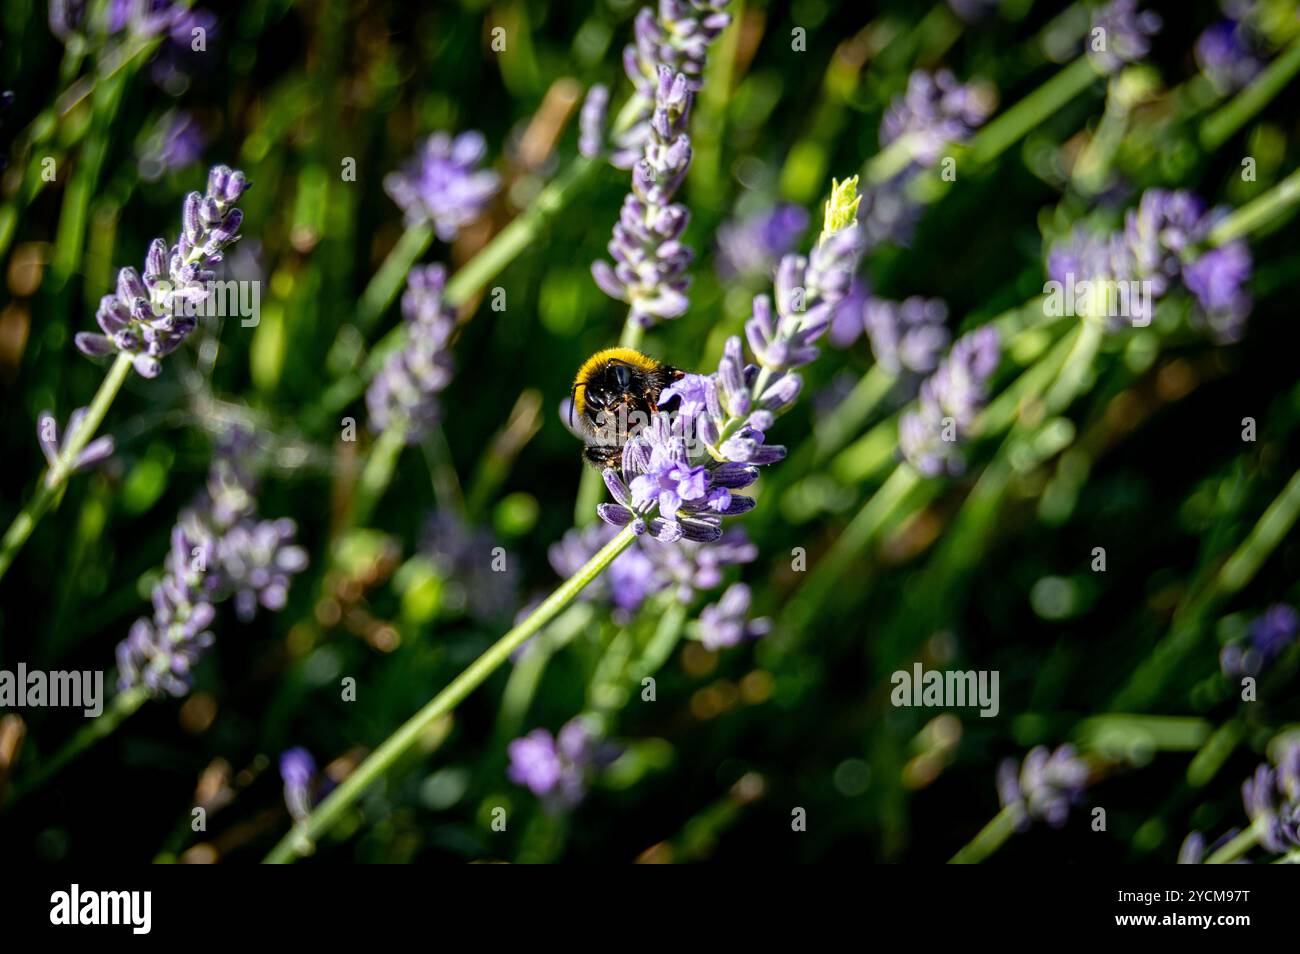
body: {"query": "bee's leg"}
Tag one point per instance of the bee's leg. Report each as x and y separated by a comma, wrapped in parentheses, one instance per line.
(603, 456)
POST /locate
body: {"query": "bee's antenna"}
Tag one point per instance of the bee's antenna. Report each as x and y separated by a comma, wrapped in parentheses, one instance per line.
(573, 393)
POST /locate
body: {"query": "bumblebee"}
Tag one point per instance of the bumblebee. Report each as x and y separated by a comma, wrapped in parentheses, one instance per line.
(615, 392)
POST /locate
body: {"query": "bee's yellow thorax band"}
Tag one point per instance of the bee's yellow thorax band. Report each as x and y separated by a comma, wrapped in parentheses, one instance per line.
(626, 355)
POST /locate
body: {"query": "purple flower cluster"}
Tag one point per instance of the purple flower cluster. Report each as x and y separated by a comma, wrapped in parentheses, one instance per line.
(1161, 244)
(1046, 786)
(645, 569)
(1272, 800)
(750, 247)
(442, 185)
(930, 435)
(679, 474)
(557, 769)
(1268, 636)
(677, 39)
(405, 390)
(219, 550)
(1227, 54)
(650, 260)
(47, 433)
(933, 113)
(150, 315)
(1120, 34)
(906, 335)
(727, 623)
(175, 142)
(136, 17)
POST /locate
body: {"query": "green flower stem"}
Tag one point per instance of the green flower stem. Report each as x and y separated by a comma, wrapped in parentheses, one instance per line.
(468, 281)
(387, 281)
(1220, 126)
(990, 838)
(665, 639)
(378, 473)
(124, 704)
(50, 486)
(838, 427)
(1259, 212)
(1017, 121)
(43, 128)
(1234, 849)
(328, 813)
(1239, 569)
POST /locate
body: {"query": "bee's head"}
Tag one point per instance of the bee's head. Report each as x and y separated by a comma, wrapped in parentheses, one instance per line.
(605, 389)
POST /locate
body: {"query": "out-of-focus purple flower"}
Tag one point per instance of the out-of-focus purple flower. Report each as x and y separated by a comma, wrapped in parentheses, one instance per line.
(630, 580)
(219, 550)
(141, 18)
(1267, 637)
(694, 567)
(1120, 34)
(933, 114)
(1272, 800)
(750, 247)
(930, 435)
(846, 323)
(176, 141)
(149, 316)
(1218, 280)
(479, 576)
(298, 772)
(1046, 786)
(443, 185)
(727, 623)
(591, 121)
(650, 261)
(404, 392)
(1162, 232)
(906, 335)
(972, 10)
(677, 40)
(558, 769)
(47, 433)
(1226, 54)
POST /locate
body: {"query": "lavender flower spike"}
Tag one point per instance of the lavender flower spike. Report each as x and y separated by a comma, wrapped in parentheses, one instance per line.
(219, 550)
(649, 259)
(442, 185)
(405, 390)
(558, 768)
(709, 438)
(1047, 785)
(1120, 34)
(725, 622)
(677, 40)
(1272, 799)
(47, 432)
(929, 436)
(150, 315)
